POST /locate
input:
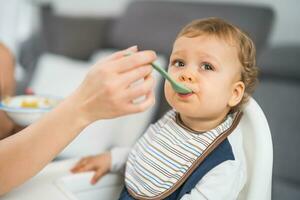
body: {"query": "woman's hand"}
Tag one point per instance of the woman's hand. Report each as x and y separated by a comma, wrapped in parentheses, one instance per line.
(106, 91)
(99, 163)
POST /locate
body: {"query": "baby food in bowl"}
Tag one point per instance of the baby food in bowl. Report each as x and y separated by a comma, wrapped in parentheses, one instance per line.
(26, 109)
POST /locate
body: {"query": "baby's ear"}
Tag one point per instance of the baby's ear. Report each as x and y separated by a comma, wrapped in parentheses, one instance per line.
(238, 90)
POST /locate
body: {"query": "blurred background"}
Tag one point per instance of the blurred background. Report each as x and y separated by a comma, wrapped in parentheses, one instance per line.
(55, 42)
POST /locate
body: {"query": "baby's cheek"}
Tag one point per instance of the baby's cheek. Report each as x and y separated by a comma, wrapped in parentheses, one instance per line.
(168, 92)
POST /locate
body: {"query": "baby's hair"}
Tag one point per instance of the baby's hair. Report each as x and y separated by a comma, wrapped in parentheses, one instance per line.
(230, 33)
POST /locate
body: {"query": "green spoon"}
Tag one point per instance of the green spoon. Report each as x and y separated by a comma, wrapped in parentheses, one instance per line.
(178, 87)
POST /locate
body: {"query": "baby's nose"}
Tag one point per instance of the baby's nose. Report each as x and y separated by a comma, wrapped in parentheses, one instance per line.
(187, 78)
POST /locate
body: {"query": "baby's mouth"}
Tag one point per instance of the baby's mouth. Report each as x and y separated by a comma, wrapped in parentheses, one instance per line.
(185, 95)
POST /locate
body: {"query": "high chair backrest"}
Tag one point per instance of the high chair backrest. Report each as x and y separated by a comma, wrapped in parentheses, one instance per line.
(258, 148)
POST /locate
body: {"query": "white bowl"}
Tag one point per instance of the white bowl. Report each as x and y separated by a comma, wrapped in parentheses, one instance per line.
(26, 109)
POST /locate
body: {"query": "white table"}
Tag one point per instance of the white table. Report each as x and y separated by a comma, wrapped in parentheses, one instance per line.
(56, 182)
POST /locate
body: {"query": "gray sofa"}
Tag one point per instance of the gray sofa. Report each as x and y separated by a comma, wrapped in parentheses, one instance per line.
(279, 95)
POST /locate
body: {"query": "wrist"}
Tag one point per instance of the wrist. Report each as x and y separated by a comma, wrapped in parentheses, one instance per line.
(75, 112)
(82, 105)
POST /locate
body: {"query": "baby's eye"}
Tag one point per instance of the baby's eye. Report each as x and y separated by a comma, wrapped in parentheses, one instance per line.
(207, 66)
(178, 63)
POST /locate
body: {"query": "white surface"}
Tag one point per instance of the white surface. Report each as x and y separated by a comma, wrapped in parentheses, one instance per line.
(41, 186)
(55, 182)
(78, 186)
(259, 153)
(58, 75)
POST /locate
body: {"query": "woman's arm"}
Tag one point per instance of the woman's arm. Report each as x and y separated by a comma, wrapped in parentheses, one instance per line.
(105, 93)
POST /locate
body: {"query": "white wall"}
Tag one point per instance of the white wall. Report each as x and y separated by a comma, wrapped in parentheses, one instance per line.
(8, 21)
(17, 17)
(17, 21)
(286, 28)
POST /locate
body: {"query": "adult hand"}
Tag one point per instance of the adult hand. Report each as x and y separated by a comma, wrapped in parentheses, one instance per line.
(106, 91)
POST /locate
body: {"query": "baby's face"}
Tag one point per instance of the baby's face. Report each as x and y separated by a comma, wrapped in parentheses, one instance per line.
(211, 68)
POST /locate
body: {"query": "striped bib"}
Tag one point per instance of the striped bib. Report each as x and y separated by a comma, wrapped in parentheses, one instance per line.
(165, 155)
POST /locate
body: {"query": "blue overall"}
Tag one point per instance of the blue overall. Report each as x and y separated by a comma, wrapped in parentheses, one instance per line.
(220, 154)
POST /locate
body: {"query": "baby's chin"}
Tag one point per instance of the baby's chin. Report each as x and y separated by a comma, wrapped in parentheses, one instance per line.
(192, 110)
(183, 111)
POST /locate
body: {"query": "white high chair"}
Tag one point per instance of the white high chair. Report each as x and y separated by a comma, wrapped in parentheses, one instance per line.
(258, 148)
(259, 153)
